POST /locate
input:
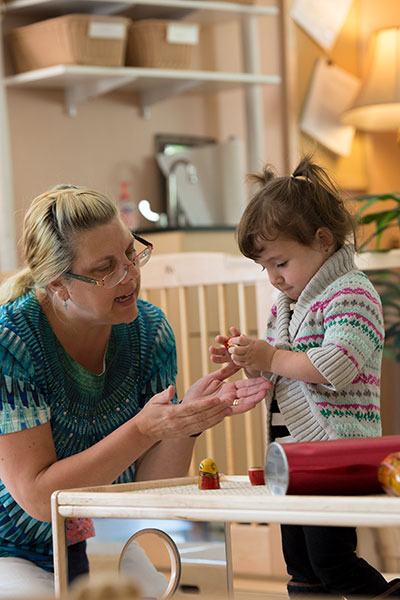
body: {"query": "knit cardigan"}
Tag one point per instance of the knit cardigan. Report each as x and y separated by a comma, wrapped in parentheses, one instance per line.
(338, 322)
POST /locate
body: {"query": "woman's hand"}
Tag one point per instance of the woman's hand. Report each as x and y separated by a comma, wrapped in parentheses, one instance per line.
(242, 394)
(251, 353)
(206, 403)
(220, 354)
(161, 419)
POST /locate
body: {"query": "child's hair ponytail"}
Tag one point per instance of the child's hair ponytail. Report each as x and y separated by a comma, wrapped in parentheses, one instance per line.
(295, 206)
(262, 178)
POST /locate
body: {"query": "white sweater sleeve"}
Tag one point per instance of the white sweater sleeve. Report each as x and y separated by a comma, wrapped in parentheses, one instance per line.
(352, 334)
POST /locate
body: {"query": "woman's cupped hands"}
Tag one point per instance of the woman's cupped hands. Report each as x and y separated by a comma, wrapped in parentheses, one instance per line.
(206, 403)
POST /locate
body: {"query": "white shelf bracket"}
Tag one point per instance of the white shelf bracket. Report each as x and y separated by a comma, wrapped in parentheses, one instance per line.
(161, 92)
(80, 92)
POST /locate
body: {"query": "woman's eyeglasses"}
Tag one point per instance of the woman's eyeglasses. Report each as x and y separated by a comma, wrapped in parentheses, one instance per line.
(115, 277)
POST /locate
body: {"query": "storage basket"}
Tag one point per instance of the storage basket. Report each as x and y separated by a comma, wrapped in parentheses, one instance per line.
(70, 39)
(161, 44)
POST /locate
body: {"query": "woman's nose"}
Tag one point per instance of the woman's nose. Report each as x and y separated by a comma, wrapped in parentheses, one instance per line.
(132, 272)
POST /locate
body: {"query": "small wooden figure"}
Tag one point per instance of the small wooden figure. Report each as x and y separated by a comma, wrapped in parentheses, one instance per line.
(389, 474)
(208, 475)
(228, 344)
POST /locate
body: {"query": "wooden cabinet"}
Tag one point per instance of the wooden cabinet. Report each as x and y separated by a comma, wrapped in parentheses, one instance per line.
(194, 240)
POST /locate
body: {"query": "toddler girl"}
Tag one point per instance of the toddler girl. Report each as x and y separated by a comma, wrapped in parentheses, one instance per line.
(322, 351)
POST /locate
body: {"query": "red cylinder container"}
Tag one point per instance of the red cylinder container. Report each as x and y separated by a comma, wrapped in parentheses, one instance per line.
(338, 467)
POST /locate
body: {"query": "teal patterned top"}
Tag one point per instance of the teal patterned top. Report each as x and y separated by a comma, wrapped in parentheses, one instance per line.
(40, 382)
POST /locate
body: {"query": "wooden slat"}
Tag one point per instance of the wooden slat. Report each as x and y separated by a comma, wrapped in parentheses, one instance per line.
(183, 317)
(203, 324)
(248, 418)
(164, 301)
(228, 423)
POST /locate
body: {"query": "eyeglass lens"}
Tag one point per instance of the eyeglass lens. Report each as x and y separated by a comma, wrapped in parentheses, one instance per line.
(114, 278)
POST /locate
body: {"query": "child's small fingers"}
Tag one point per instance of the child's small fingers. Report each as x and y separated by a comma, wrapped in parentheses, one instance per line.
(220, 339)
(237, 361)
(237, 351)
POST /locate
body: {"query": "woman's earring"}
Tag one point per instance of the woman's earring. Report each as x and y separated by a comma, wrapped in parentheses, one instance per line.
(62, 299)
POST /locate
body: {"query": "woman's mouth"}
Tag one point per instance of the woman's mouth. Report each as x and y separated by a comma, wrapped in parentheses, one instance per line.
(125, 298)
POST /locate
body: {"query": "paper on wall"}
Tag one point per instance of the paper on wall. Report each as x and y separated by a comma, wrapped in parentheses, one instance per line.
(331, 92)
(218, 197)
(321, 19)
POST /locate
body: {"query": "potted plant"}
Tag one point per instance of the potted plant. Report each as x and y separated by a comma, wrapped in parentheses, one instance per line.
(386, 281)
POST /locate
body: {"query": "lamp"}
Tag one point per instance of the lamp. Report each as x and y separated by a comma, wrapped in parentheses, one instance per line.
(377, 106)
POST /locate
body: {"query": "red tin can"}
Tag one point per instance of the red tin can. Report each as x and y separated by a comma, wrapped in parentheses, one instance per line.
(338, 467)
(389, 474)
(256, 475)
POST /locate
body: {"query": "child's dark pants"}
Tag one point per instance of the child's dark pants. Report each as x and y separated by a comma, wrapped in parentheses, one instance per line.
(323, 560)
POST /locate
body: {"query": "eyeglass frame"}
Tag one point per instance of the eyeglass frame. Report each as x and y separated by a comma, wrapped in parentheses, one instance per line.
(100, 282)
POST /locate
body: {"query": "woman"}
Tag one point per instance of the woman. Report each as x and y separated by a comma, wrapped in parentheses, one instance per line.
(87, 380)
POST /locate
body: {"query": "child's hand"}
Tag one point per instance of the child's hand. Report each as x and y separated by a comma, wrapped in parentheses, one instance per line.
(220, 354)
(251, 353)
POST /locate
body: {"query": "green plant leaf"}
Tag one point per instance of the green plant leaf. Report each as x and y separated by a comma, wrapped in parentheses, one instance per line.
(370, 200)
(374, 234)
(379, 217)
(387, 282)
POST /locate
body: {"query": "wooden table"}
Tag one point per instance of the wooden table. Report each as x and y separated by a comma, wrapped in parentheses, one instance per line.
(236, 501)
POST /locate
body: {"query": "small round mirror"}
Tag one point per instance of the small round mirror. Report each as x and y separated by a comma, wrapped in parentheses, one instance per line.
(151, 557)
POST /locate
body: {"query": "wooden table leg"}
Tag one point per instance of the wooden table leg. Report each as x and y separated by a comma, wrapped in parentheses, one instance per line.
(59, 549)
(228, 558)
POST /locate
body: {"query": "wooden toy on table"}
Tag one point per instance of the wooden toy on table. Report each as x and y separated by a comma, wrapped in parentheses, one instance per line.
(208, 475)
(389, 474)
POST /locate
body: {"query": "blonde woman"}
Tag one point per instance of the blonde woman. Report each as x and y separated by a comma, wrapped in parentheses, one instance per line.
(87, 378)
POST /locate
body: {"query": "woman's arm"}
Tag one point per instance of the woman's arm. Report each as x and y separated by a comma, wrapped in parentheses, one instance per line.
(169, 458)
(31, 472)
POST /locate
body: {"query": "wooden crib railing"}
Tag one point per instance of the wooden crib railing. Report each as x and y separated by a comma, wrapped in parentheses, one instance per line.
(203, 294)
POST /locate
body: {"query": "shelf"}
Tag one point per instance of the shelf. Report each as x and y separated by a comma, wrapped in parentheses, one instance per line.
(83, 82)
(79, 83)
(202, 11)
(371, 261)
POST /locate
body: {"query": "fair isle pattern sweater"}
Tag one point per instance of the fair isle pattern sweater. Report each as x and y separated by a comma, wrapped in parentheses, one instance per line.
(338, 322)
(40, 382)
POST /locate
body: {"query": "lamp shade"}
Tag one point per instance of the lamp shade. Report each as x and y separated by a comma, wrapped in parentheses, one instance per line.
(377, 106)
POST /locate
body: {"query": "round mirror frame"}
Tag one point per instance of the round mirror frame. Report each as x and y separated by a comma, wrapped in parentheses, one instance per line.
(176, 566)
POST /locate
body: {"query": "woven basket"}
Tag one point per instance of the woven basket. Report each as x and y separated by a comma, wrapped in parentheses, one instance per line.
(148, 46)
(70, 39)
